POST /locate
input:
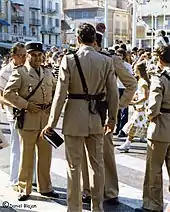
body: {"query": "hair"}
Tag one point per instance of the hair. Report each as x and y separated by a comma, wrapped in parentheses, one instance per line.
(123, 46)
(99, 38)
(135, 49)
(141, 51)
(161, 33)
(117, 47)
(141, 67)
(86, 33)
(163, 53)
(15, 48)
(122, 51)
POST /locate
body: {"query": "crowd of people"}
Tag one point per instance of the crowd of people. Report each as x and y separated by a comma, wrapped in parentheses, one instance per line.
(38, 84)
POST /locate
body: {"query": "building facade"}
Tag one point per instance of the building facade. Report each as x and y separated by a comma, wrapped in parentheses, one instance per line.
(30, 20)
(51, 22)
(76, 12)
(155, 16)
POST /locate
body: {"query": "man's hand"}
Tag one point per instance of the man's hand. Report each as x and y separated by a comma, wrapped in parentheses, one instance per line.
(47, 130)
(33, 108)
(108, 128)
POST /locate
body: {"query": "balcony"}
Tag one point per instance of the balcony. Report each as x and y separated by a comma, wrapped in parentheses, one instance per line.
(49, 30)
(18, 2)
(34, 5)
(24, 38)
(51, 11)
(35, 22)
(17, 19)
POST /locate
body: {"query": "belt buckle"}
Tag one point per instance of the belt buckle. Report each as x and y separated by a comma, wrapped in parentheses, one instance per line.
(87, 97)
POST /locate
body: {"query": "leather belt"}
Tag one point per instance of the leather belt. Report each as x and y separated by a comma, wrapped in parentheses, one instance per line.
(44, 106)
(164, 110)
(86, 97)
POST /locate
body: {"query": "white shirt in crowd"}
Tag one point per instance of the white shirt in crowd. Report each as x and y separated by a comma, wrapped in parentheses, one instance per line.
(5, 73)
(159, 42)
(129, 69)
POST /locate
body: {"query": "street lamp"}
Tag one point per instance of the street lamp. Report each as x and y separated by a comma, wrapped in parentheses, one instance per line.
(134, 21)
(106, 24)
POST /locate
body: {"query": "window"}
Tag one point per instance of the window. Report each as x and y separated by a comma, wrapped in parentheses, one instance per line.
(33, 31)
(85, 14)
(42, 38)
(57, 22)
(43, 5)
(56, 39)
(33, 15)
(15, 29)
(43, 21)
(49, 39)
(24, 30)
(56, 7)
(50, 5)
(50, 22)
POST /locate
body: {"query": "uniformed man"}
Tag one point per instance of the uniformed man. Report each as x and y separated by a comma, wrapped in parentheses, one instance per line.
(18, 56)
(111, 179)
(82, 124)
(158, 145)
(21, 83)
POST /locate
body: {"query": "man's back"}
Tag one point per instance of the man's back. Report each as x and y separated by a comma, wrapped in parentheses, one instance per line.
(99, 75)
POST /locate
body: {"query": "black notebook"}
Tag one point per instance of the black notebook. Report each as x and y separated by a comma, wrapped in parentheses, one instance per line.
(55, 140)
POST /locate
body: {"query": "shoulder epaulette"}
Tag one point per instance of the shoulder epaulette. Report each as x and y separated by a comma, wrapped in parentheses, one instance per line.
(166, 75)
(15, 67)
(71, 52)
(105, 53)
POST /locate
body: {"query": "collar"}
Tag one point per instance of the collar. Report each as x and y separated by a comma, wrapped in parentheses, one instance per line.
(33, 73)
(85, 47)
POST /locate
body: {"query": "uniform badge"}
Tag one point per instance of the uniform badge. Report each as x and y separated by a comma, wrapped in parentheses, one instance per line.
(30, 88)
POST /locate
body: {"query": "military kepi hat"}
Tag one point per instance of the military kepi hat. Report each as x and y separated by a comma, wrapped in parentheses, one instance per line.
(34, 46)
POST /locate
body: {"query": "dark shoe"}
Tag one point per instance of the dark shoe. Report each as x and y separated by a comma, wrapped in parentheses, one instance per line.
(113, 201)
(144, 210)
(121, 135)
(51, 194)
(23, 197)
(34, 184)
(115, 133)
(86, 199)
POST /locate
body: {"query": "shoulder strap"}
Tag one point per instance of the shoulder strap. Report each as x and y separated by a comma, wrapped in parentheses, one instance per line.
(166, 75)
(83, 81)
(35, 89)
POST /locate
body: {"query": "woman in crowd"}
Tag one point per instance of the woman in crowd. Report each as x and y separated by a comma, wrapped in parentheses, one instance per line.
(137, 125)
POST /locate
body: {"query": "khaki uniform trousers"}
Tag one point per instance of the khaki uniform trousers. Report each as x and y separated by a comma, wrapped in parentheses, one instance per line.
(74, 155)
(30, 139)
(157, 153)
(111, 178)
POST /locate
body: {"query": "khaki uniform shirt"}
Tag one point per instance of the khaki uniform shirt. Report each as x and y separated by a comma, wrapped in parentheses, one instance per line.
(98, 72)
(159, 97)
(22, 81)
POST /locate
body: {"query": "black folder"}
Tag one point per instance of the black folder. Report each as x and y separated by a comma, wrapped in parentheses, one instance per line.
(55, 140)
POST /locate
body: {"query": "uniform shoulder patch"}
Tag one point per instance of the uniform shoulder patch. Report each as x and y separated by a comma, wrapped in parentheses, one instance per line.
(15, 67)
(165, 74)
(71, 52)
(105, 53)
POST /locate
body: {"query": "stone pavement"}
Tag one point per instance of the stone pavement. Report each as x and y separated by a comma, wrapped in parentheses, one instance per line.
(130, 166)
